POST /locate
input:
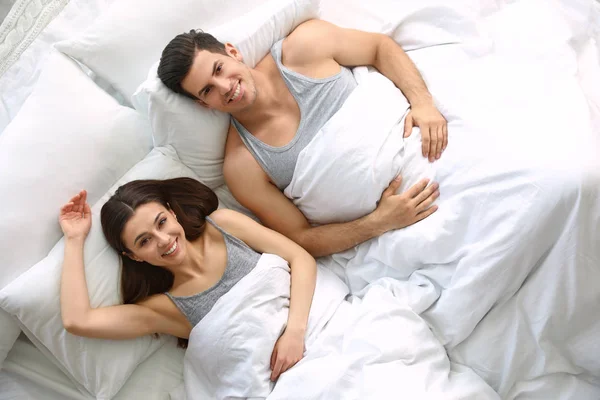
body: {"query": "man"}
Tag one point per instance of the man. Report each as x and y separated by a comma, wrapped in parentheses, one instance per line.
(277, 108)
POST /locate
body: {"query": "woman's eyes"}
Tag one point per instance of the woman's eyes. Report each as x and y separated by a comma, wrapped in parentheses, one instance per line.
(160, 223)
(219, 68)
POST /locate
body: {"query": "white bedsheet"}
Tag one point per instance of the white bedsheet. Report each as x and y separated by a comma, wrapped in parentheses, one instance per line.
(509, 24)
(506, 271)
(365, 349)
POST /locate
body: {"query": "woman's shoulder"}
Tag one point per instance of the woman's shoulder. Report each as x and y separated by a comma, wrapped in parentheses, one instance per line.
(233, 222)
(226, 218)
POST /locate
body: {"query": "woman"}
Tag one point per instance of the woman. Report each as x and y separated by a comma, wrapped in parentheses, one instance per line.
(179, 255)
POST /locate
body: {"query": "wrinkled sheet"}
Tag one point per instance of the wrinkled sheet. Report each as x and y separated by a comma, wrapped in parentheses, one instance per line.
(364, 348)
(506, 272)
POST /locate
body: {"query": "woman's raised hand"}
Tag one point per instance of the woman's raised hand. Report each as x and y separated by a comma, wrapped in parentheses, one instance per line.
(76, 217)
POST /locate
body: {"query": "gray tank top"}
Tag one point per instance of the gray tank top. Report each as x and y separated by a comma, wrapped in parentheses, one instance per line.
(318, 100)
(241, 259)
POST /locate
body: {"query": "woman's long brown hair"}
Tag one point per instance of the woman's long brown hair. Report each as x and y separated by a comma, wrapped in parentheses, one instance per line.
(189, 199)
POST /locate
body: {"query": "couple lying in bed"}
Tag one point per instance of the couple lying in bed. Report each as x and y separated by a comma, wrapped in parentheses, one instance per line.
(179, 253)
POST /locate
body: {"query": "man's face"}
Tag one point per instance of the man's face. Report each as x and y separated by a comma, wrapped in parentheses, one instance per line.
(221, 82)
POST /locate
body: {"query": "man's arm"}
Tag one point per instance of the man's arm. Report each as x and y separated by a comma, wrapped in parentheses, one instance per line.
(254, 191)
(314, 41)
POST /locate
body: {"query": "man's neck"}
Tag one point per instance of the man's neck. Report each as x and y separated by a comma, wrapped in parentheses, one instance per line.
(270, 86)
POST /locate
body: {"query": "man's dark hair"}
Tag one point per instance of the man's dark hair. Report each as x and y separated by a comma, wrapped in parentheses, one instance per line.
(177, 58)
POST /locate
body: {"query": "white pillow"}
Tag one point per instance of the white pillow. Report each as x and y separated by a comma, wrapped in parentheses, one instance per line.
(9, 332)
(69, 134)
(156, 377)
(99, 367)
(123, 43)
(199, 134)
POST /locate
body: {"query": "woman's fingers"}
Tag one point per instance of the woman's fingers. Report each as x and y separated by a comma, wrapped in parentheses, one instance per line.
(75, 199)
(86, 209)
(277, 369)
(78, 203)
(273, 358)
(66, 208)
(81, 201)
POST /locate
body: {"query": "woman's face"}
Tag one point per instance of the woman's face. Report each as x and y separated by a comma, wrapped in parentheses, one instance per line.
(153, 235)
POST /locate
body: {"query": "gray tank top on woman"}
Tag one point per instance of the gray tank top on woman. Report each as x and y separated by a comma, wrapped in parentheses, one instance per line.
(241, 259)
(318, 100)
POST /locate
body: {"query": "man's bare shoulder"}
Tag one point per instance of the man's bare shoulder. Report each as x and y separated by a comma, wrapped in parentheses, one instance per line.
(239, 164)
(234, 143)
(308, 42)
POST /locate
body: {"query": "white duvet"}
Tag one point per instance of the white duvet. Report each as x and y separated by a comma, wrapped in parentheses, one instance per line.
(362, 349)
(506, 272)
(503, 279)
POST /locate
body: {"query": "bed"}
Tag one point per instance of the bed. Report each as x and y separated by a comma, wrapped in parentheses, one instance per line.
(27, 35)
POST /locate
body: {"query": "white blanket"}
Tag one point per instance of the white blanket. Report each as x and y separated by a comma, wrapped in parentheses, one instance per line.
(506, 271)
(367, 348)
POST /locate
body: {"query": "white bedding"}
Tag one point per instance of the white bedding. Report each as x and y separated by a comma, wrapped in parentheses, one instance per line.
(29, 375)
(19, 75)
(555, 292)
(363, 349)
(506, 271)
(25, 20)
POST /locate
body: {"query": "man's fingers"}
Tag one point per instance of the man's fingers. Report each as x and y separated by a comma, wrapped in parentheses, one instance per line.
(424, 214)
(408, 125)
(417, 188)
(445, 132)
(433, 139)
(425, 139)
(425, 193)
(425, 204)
(393, 186)
(440, 142)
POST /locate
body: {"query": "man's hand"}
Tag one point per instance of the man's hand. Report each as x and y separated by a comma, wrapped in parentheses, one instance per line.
(434, 129)
(396, 211)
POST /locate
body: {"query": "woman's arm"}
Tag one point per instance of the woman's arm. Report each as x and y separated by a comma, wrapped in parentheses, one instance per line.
(304, 274)
(79, 318)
